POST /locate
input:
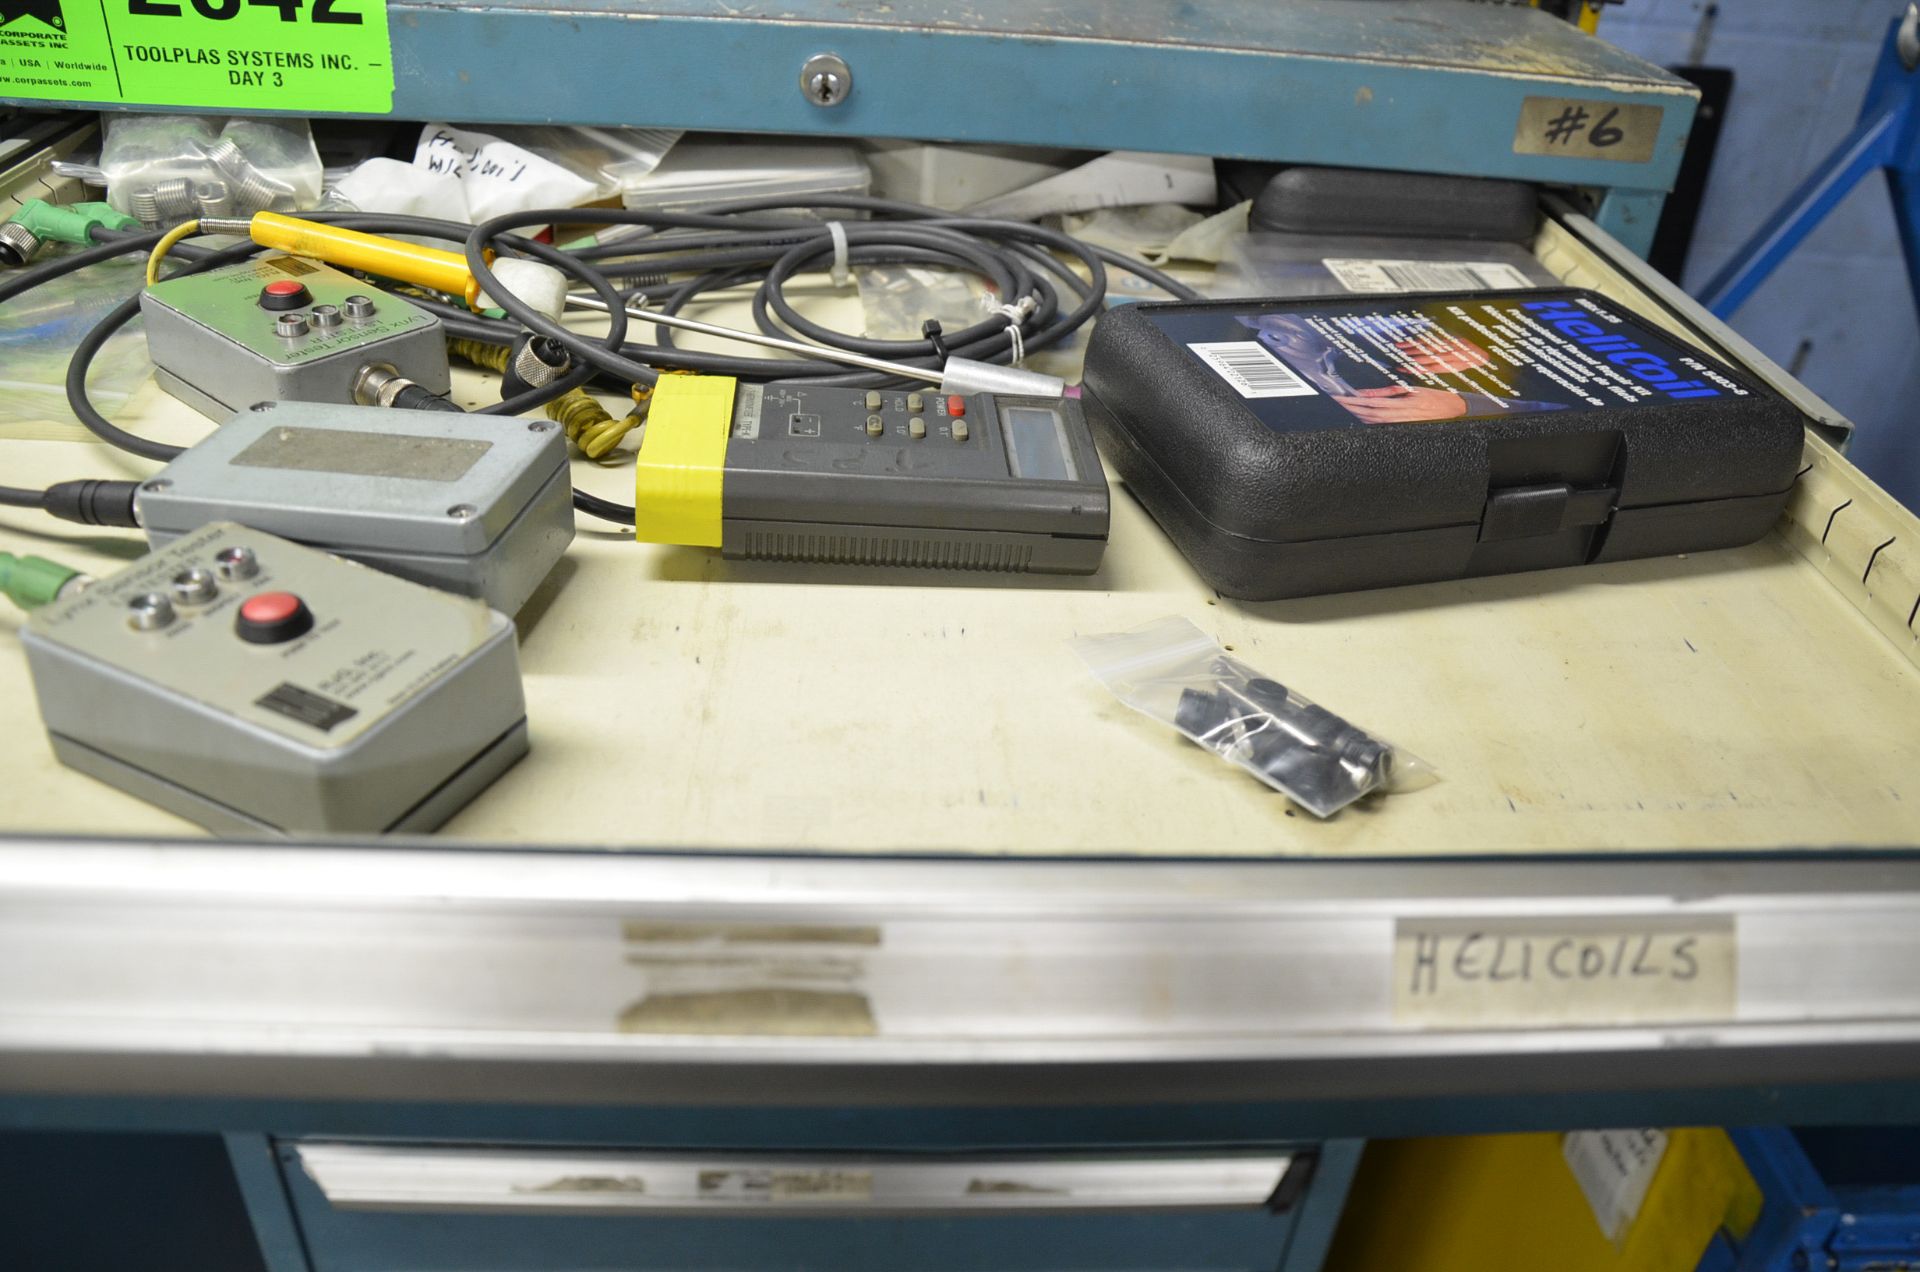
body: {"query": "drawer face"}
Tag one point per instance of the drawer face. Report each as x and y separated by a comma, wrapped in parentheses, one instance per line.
(429, 1208)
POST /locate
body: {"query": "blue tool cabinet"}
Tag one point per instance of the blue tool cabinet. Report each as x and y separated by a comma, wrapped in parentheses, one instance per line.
(1151, 1001)
(1807, 1221)
(1415, 85)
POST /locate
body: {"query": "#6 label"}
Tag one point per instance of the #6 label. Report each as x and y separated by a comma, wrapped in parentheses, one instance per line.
(239, 56)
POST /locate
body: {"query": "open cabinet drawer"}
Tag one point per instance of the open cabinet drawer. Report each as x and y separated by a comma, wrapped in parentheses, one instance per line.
(815, 838)
(1757, 698)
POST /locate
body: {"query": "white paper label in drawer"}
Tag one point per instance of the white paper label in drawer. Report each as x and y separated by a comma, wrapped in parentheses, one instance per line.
(1496, 972)
(786, 1184)
(1614, 1169)
(1361, 274)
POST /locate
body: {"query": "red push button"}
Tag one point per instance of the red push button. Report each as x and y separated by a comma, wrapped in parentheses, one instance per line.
(269, 618)
(284, 293)
(956, 406)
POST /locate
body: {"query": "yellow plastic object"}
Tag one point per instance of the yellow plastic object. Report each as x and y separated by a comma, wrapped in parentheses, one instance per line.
(1589, 17)
(1486, 1203)
(678, 472)
(433, 267)
(165, 245)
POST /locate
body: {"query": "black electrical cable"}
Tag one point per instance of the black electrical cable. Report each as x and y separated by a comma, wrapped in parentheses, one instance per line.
(203, 259)
(19, 282)
(753, 241)
(91, 343)
(620, 514)
(1012, 256)
(902, 208)
(112, 244)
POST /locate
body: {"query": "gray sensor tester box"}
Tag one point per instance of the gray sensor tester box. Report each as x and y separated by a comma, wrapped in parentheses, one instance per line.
(283, 329)
(1293, 447)
(476, 504)
(256, 686)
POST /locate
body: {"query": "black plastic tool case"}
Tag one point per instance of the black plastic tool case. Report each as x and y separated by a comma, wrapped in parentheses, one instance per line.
(1269, 438)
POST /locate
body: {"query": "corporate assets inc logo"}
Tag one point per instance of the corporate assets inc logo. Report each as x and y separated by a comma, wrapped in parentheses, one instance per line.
(15, 15)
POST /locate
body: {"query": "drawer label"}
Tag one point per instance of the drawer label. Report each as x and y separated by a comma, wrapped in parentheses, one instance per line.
(244, 56)
(1496, 972)
(788, 1184)
(1582, 128)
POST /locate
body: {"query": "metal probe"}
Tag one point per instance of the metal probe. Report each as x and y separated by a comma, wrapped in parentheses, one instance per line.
(960, 375)
(760, 338)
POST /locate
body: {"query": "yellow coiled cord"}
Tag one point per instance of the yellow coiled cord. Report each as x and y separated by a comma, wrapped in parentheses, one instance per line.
(488, 357)
(588, 425)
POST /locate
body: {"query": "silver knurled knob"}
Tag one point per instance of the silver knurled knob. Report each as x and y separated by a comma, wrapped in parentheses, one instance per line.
(195, 586)
(149, 612)
(17, 244)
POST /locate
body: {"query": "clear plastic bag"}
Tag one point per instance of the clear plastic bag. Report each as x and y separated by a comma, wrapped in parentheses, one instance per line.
(38, 333)
(1177, 674)
(615, 159)
(1290, 265)
(896, 300)
(164, 169)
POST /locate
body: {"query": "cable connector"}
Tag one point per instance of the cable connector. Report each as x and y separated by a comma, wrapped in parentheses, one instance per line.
(18, 244)
(380, 385)
(536, 362)
(39, 222)
(31, 581)
(92, 502)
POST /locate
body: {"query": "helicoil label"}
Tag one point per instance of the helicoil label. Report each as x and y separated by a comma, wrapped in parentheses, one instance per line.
(241, 56)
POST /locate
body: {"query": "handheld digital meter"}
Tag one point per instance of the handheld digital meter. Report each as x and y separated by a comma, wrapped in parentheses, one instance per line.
(805, 472)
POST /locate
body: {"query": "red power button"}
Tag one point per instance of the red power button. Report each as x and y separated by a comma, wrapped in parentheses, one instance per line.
(284, 293)
(956, 406)
(269, 618)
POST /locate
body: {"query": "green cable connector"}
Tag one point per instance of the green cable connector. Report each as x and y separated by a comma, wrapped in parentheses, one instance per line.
(70, 222)
(32, 581)
(39, 222)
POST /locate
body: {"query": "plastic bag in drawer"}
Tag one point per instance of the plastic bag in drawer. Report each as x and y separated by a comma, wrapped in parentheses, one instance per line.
(1177, 674)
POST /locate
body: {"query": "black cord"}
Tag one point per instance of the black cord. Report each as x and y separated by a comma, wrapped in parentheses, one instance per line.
(1014, 258)
(91, 344)
(19, 282)
(204, 259)
(622, 515)
(764, 241)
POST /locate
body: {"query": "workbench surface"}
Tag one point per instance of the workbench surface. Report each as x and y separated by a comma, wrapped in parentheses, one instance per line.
(1716, 701)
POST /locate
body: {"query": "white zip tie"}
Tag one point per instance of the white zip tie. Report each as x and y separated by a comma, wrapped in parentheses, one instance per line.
(839, 233)
(1016, 313)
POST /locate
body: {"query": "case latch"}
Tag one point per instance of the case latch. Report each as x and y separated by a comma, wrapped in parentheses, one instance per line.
(1526, 512)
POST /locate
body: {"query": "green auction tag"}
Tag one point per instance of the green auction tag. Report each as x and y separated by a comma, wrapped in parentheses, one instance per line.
(234, 56)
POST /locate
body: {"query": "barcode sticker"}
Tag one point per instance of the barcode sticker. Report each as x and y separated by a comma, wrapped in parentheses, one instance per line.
(1360, 275)
(1251, 369)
